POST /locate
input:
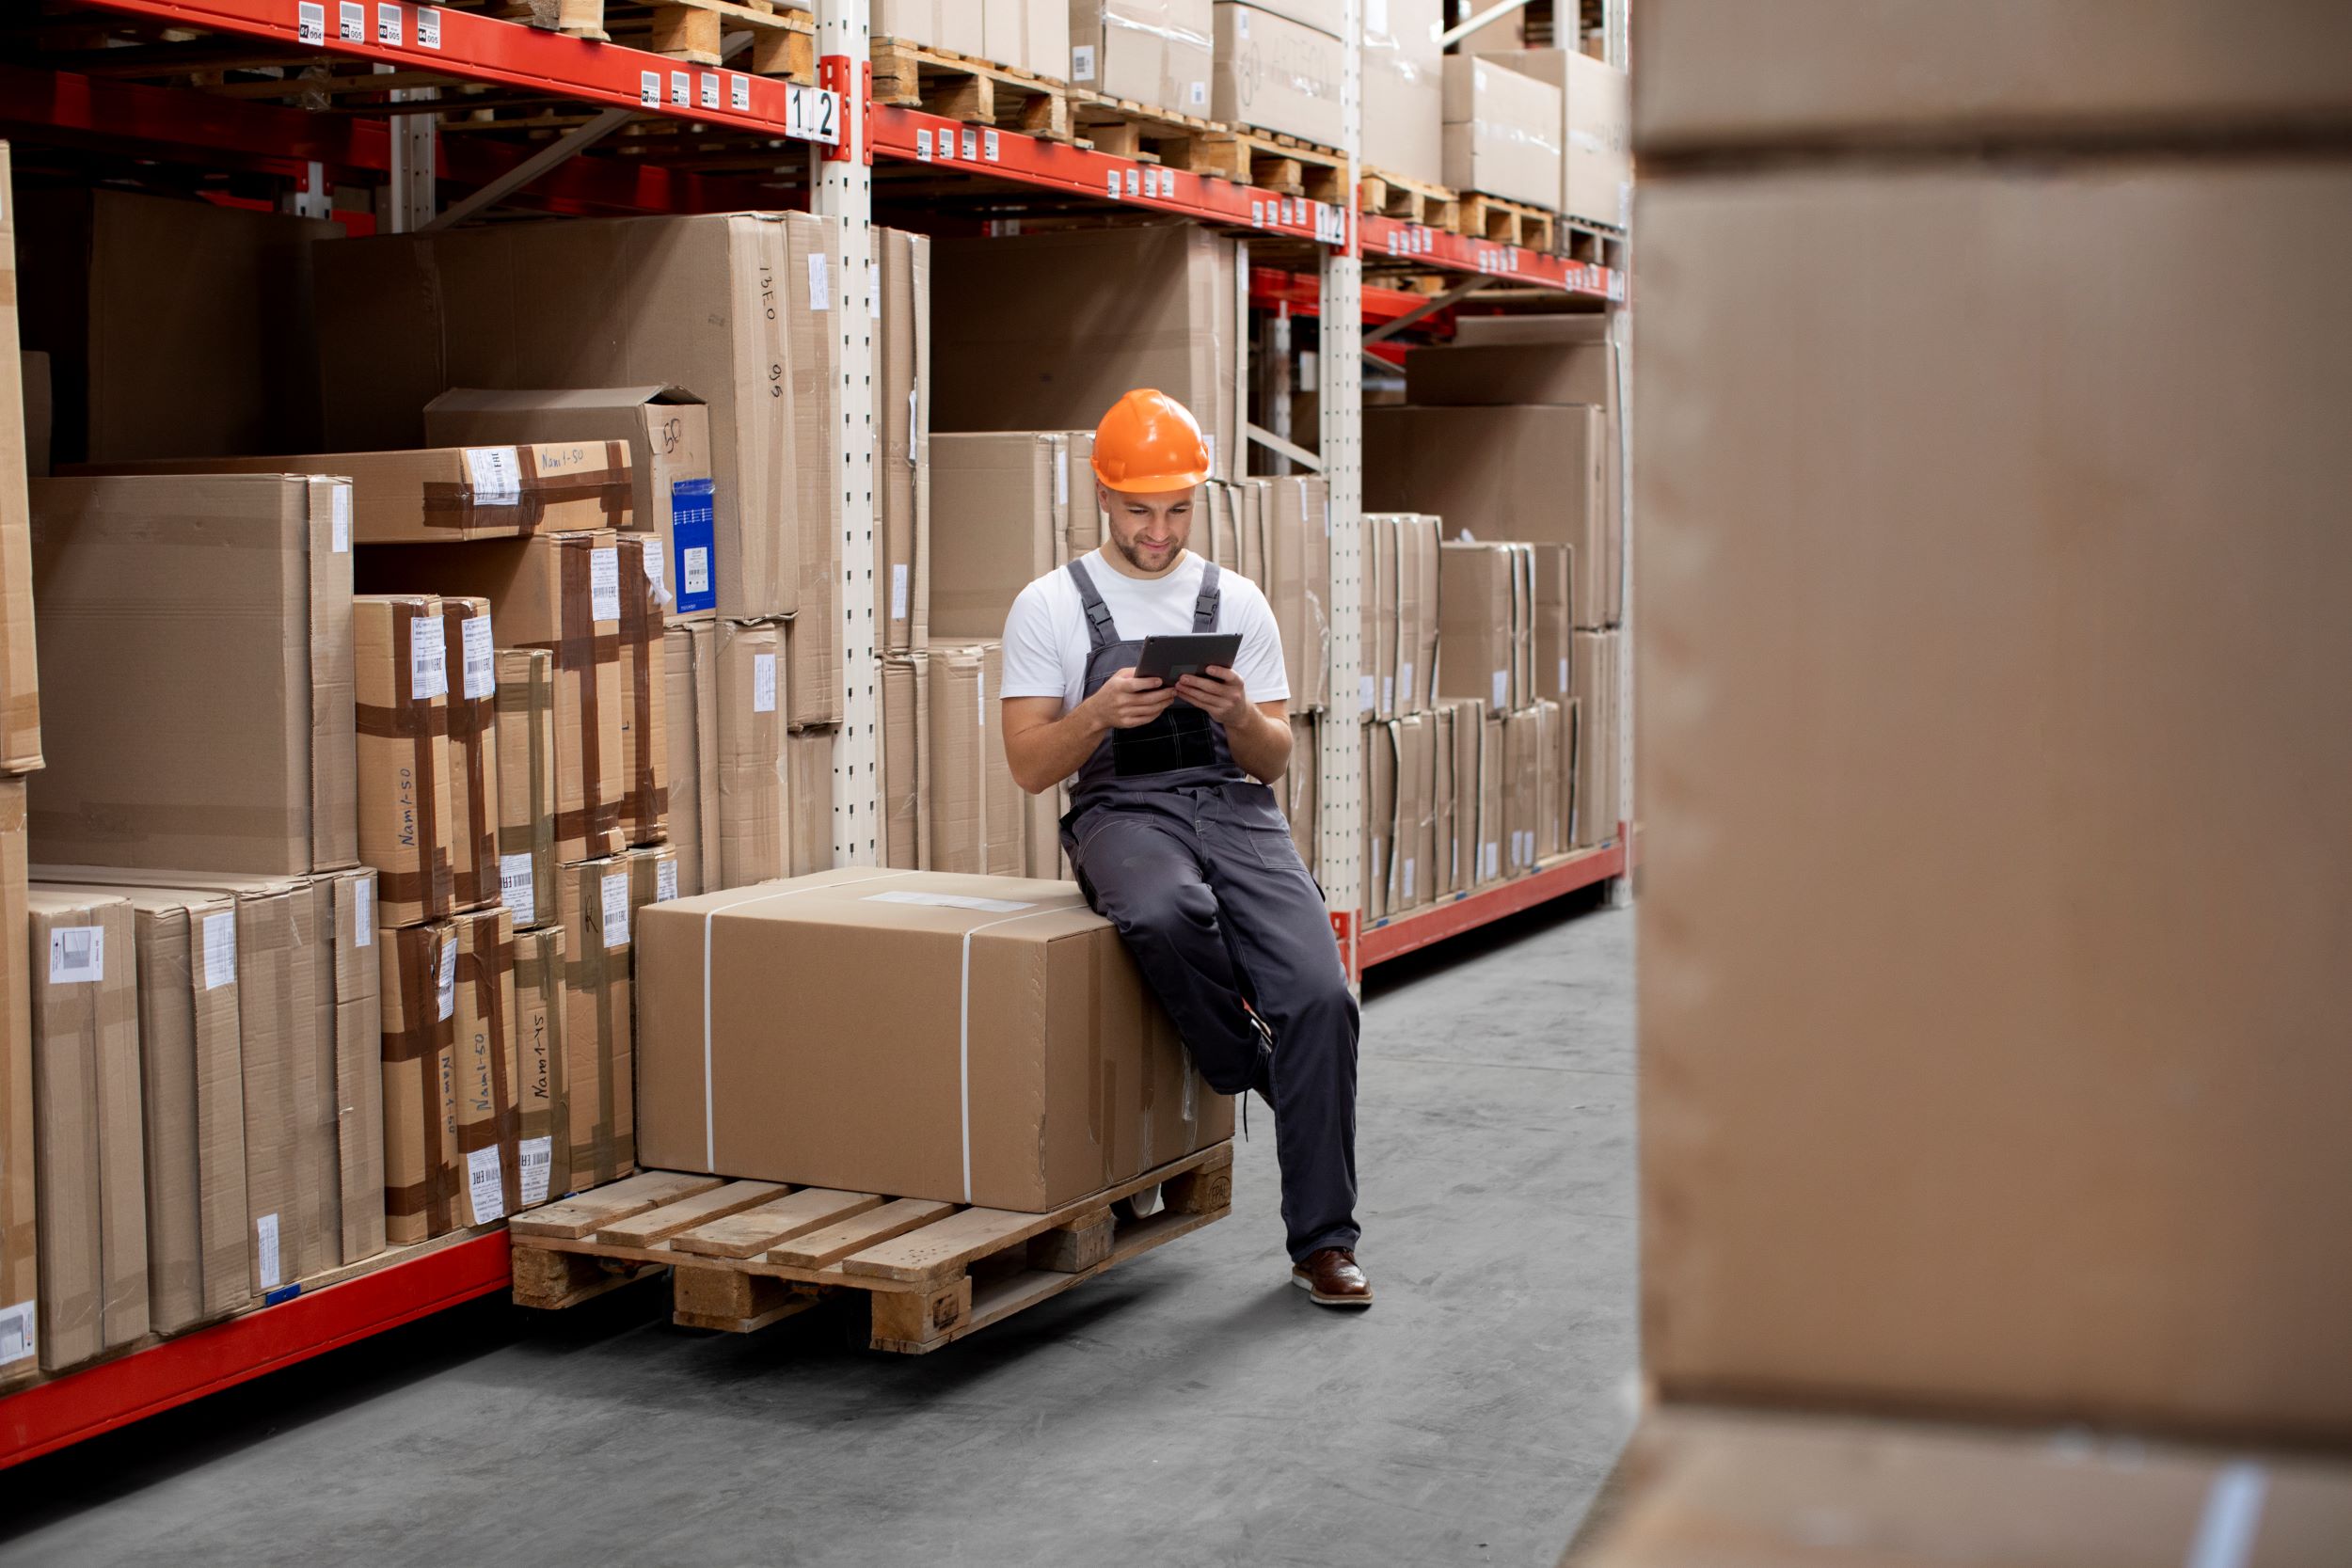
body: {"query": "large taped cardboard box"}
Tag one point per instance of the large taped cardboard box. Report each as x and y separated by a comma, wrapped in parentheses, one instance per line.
(644, 695)
(542, 1156)
(690, 672)
(1404, 69)
(422, 1180)
(1533, 473)
(1158, 53)
(1501, 131)
(904, 345)
(999, 504)
(692, 301)
(25, 414)
(563, 593)
(1276, 75)
(1046, 331)
(953, 25)
(1715, 1488)
(483, 1069)
(527, 783)
(345, 908)
(210, 355)
(667, 431)
(87, 1140)
(818, 285)
(409, 825)
(977, 813)
(1014, 1019)
(2149, 1081)
(19, 1330)
(472, 661)
(145, 622)
(750, 795)
(1805, 72)
(599, 1114)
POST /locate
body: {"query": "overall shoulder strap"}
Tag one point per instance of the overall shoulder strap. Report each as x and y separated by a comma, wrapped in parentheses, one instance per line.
(1101, 632)
(1204, 607)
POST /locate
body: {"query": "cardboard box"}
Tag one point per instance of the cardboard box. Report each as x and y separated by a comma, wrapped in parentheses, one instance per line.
(1730, 1489)
(599, 1103)
(2149, 1084)
(1042, 857)
(19, 1246)
(1554, 570)
(1302, 789)
(1542, 814)
(811, 673)
(470, 661)
(1381, 747)
(645, 692)
(1444, 848)
(690, 672)
(1524, 473)
(1494, 777)
(1810, 72)
(1047, 331)
(1298, 582)
(88, 1139)
(997, 505)
(902, 571)
(1522, 739)
(563, 593)
(1404, 91)
(1218, 523)
(653, 877)
(667, 431)
(485, 1070)
(1275, 75)
(1412, 858)
(905, 732)
(1027, 35)
(24, 447)
(808, 800)
(408, 822)
(976, 808)
(1417, 612)
(543, 1157)
(345, 905)
(159, 769)
(1157, 53)
(1472, 830)
(1487, 623)
(752, 800)
(1085, 522)
(1014, 1019)
(527, 783)
(1502, 129)
(1379, 629)
(1328, 17)
(815, 247)
(953, 25)
(420, 1161)
(1597, 751)
(1596, 159)
(686, 301)
(214, 359)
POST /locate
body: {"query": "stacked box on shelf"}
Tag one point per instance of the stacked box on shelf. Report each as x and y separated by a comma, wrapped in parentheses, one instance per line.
(543, 1151)
(471, 710)
(420, 1057)
(1596, 748)
(1403, 86)
(1278, 67)
(1301, 789)
(950, 26)
(1501, 131)
(528, 789)
(408, 825)
(597, 1096)
(691, 720)
(977, 813)
(774, 786)
(20, 751)
(1595, 160)
(1154, 54)
(902, 540)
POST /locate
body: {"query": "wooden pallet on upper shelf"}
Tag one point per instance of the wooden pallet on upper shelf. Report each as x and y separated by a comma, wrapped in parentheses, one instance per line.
(743, 1255)
(977, 92)
(784, 38)
(1596, 244)
(1126, 129)
(1498, 222)
(1393, 196)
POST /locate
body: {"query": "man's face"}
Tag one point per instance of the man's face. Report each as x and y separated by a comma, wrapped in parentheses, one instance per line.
(1149, 530)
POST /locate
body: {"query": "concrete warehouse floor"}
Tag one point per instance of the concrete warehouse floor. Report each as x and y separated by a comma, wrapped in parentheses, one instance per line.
(1189, 1408)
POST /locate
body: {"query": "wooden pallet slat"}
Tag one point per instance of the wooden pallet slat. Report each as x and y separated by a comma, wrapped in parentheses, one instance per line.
(752, 1231)
(976, 92)
(821, 1248)
(657, 1225)
(585, 1212)
(938, 1250)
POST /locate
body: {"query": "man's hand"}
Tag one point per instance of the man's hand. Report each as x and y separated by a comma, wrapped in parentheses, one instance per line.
(1218, 692)
(1126, 700)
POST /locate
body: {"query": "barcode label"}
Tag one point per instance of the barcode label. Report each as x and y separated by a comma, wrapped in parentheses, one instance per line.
(340, 528)
(17, 1332)
(481, 678)
(1363, 698)
(363, 914)
(1404, 683)
(448, 977)
(497, 475)
(1564, 675)
(665, 882)
(763, 683)
(1503, 689)
(310, 23)
(1387, 693)
(1489, 860)
(516, 890)
(485, 1185)
(265, 1251)
(696, 571)
(1081, 62)
(220, 949)
(1408, 878)
(604, 584)
(428, 28)
(537, 1159)
(615, 909)
(428, 659)
(77, 954)
(387, 28)
(899, 591)
(353, 15)
(819, 282)
(1061, 476)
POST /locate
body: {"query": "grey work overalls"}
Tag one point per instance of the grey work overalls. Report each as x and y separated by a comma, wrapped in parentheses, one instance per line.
(1190, 857)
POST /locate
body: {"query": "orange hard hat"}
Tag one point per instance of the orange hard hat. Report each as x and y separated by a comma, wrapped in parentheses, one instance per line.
(1149, 442)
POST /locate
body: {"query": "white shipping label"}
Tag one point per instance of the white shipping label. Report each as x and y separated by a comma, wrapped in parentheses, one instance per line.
(950, 902)
(17, 1334)
(485, 1184)
(1503, 689)
(363, 914)
(696, 569)
(1408, 878)
(819, 282)
(1081, 62)
(1405, 684)
(614, 895)
(665, 882)
(1061, 476)
(447, 979)
(604, 584)
(899, 591)
(652, 555)
(428, 659)
(537, 1155)
(1241, 23)
(516, 890)
(482, 670)
(265, 1251)
(1387, 693)
(340, 528)
(1489, 862)
(77, 954)
(220, 949)
(497, 475)
(763, 683)
(1564, 675)
(1363, 698)
(1200, 94)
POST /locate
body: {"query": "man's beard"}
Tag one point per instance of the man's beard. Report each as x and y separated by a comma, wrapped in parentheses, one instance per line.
(1134, 553)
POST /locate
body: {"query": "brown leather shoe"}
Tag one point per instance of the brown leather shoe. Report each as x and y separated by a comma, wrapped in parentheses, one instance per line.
(1331, 1279)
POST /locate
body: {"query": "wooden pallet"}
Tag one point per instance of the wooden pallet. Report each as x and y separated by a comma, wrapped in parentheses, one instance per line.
(1393, 196)
(1596, 244)
(1288, 167)
(974, 92)
(743, 1255)
(784, 38)
(1499, 222)
(1127, 129)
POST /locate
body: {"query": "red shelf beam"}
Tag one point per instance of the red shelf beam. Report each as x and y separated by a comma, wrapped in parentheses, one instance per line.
(80, 1405)
(1387, 237)
(1404, 934)
(1303, 294)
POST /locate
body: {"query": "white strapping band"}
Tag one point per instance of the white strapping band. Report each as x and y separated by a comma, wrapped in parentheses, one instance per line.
(2233, 1512)
(963, 1024)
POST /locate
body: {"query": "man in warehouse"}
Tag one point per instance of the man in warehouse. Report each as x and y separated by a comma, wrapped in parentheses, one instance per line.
(1175, 837)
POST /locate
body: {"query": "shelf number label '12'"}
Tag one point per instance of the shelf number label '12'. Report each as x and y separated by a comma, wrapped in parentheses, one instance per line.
(811, 114)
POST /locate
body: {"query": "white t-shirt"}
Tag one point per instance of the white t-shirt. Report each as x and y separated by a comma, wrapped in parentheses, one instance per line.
(1045, 637)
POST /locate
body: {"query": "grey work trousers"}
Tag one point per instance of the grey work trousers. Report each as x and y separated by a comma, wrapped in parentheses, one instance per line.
(1209, 891)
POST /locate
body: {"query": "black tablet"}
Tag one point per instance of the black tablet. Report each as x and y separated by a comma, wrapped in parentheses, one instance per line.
(1168, 659)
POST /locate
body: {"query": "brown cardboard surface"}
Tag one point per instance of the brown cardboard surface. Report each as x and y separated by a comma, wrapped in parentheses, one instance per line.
(686, 302)
(19, 1246)
(1445, 856)
(1019, 1019)
(1725, 1489)
(690, 673)
(409, 824)
(527, 791)
(1502, 129)
(1815, 72)
(667, 431)
(1493, 800)
(993, 510)
(483, 1069)
(1599, 744)
(1380, 747)
(818, 285)
(25, 415)
(88, 1139)
(1479, 628)
(566, 592)
(1470, 826)
(205, 587)
(2111, 1078)
(1027, 35)
(1156, 52)
(1275, 75)
(598, 1032)
(951, 25)
(752, 801)
(1296, 578)
(1404, 90)
(470, 659)
(212, 357)
(1554, 568)
(1524, 740)
(1046, 331)
(808, 800)
(1379, 631)
(1417, 612)
(1413, 857)
(976, 808)
(905, 732)
(544, 1158)
(423, 1182)
(644, 695)
(902, 347)
(346, 910)
(1545, 833)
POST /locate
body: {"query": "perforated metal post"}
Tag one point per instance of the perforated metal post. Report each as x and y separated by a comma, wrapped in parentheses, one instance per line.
(1340, 364)
(844, 194)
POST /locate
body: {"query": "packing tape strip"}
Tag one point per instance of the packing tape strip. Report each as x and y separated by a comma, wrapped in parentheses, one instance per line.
(963, 1021)
(2233, 1515)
